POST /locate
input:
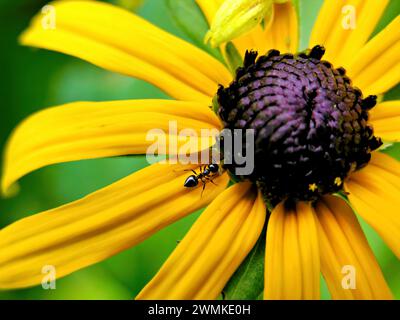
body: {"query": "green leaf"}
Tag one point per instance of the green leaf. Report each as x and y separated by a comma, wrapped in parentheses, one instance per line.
(247, 283)
(308, 12)
(190, 20)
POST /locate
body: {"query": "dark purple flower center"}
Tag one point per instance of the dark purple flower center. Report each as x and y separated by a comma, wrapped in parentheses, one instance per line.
(311, 124)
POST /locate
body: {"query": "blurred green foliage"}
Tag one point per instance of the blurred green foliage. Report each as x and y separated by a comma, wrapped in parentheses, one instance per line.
(35, 79)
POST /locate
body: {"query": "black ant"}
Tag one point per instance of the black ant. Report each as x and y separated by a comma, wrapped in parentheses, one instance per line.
(207, 173)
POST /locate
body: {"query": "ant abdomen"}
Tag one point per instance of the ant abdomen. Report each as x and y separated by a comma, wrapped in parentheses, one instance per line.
(191, 181)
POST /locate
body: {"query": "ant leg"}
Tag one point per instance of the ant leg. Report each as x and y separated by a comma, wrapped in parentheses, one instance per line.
(204, 186)
(191, 170)
(211, 180)
(185, 170)
(203, 180)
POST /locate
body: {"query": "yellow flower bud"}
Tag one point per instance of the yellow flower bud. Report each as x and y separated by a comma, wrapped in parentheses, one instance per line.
(236, 17)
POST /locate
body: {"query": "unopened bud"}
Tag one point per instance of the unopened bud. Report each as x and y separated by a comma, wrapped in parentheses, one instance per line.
(236, 17)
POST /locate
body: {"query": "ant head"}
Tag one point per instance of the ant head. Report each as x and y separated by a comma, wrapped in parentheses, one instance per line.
(213, 167)
(191, 181)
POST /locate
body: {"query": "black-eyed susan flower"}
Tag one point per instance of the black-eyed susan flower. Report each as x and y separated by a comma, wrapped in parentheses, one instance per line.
(313, 121)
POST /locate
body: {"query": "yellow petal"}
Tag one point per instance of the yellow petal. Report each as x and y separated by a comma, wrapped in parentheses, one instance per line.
(209, 8)
(282, 34)
(385, 119)
(374, 192)
(86, 130)
(213, 249)
(117, 40)
(388, 164)
(100, 225)
(343, 27)
(347, 262)
(292, 269)
(376, 67)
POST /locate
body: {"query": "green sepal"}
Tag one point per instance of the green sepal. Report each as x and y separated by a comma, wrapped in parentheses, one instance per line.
(233, 57)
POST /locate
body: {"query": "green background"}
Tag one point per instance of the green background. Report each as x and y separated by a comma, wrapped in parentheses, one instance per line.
(32, 80)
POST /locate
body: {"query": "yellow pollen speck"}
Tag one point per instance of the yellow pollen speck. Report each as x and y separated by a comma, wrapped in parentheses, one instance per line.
(312, 187)
(338, 181)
